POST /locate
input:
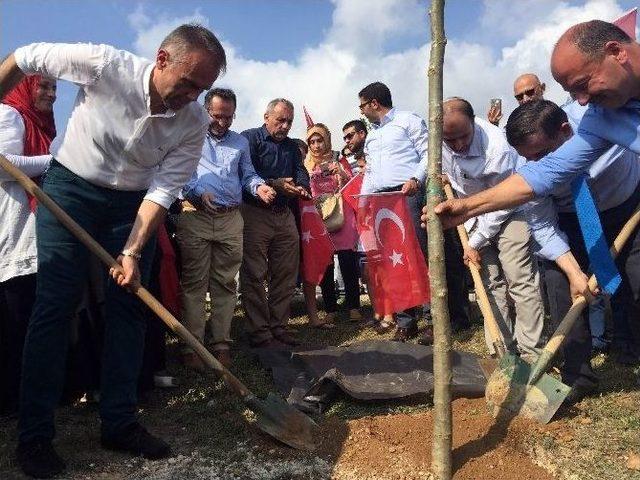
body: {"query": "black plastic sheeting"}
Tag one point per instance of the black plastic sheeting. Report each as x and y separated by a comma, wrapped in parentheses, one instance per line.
(368, 371)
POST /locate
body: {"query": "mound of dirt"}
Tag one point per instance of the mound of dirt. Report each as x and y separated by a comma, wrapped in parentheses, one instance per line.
(399, 446)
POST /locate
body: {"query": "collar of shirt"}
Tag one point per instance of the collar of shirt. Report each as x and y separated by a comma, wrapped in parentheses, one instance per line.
(386, 119)
(146, 85)
(216, 140)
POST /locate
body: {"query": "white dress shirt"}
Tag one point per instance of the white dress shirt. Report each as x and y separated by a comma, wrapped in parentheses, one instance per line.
(490, 160)
(18, 227)
(396, 151)
(112, 139)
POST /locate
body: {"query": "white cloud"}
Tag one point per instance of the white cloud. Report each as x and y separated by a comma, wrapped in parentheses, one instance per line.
(327, 77)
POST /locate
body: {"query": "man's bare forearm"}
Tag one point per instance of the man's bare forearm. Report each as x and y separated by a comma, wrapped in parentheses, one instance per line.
(511, 192)
(150, 216)
(10, 75)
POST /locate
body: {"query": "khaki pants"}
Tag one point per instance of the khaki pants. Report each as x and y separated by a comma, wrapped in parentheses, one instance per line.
(508, 266)
(271, 256)
(211, 253)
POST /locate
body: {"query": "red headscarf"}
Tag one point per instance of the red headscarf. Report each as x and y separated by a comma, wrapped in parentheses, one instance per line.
(40, 127)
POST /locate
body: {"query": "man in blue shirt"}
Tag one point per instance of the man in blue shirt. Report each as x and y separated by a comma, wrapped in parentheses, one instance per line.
(396, 160)
(210, 227)
(613, 180)
(271, 241)
(599, 65)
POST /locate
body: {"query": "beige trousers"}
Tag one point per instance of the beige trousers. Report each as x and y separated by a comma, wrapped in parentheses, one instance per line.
(211, 253)
(509, 269)
(271, 257)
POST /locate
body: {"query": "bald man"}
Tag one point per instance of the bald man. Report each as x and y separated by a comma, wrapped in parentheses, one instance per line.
(475, 156)
(528, 87)
(598, 64)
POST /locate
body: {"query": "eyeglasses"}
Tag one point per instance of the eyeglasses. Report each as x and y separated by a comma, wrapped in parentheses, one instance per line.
(348, 136)
(362, 105)
(222, 118)
(529, 93)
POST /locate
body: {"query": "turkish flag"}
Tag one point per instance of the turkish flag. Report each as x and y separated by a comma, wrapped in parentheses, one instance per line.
(395, 262)
(627, 22)
(168, 275)
(351, 189)
(317, 248)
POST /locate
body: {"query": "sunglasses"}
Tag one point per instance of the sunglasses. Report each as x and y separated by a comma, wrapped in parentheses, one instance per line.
(362, 105)
(348, 136)
(529, 93)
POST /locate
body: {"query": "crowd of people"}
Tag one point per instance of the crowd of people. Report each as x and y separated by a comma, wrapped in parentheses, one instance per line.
(138, 146)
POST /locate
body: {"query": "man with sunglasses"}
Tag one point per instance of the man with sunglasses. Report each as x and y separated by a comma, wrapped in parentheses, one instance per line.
(210, 227)
(528, 87)
(354, 135)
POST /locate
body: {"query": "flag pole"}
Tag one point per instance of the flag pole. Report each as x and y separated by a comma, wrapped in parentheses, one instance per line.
(442, 424)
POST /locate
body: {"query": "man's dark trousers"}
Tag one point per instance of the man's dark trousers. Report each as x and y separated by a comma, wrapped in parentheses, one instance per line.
(108, 216)
(577, 347)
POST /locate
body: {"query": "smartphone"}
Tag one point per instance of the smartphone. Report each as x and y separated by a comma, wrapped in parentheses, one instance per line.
(496, 103)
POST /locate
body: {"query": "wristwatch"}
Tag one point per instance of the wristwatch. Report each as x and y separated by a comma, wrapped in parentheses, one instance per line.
(416, 180)
(132, 253)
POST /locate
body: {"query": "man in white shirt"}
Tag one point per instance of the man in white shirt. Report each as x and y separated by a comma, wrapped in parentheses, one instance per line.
(133, 140)
(396, 160)
(476, 156)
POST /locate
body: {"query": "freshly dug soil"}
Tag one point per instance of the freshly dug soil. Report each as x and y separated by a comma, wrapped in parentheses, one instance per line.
(399, 446)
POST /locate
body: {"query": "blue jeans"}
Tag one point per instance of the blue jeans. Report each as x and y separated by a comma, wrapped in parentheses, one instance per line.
(108, 216)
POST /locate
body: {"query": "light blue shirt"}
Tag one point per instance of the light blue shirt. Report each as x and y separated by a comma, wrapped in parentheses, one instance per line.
(489, 160)
(224, 169)
(612, 178)
(396, 150)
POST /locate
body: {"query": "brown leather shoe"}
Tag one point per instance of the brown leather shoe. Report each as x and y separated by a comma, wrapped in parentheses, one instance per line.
(224, 357)
(405, 333)
(193, 362)
(427, 336)
(287, 339)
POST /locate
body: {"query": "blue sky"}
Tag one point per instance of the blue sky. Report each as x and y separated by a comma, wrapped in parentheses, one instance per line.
(303, 41)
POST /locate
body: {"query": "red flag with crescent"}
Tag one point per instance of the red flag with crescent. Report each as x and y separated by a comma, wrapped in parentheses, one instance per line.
(627, 22)
(396, 265)
(351, 189)
(317, 248)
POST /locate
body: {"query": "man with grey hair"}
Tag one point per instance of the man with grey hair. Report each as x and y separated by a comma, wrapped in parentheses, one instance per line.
(271, 241)
(133, 140)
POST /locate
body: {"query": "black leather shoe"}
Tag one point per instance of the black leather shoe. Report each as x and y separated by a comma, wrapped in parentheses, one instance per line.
(38, 459)
(405, 333)
(578, 393)
(136, 440)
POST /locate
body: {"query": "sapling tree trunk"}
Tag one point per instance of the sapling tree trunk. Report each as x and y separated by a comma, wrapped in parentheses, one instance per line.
(442, 438)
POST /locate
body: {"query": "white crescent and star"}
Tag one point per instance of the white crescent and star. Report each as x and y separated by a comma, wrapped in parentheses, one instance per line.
(396, 258)
(391, 215)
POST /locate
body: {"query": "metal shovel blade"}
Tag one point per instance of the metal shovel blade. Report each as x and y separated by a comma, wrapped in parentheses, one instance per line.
(277, 418)
(509, 393)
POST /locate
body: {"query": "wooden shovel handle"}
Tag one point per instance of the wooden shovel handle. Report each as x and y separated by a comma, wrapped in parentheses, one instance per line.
(580, 303)
(481, 293)
(232, 382)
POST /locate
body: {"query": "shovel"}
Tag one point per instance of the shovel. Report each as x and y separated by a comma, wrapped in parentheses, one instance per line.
(487, 365)
(517, 388)
(273, 415)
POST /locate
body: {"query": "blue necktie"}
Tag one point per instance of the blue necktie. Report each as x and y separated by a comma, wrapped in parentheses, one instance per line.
(601, 262)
